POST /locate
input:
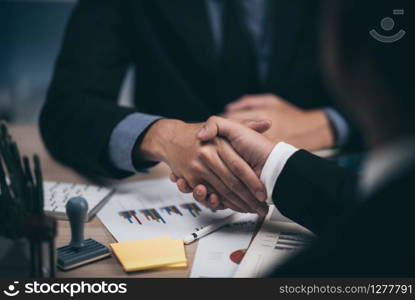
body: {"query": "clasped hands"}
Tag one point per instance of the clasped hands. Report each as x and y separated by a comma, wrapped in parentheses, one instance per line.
(237, 151)
(220, 161)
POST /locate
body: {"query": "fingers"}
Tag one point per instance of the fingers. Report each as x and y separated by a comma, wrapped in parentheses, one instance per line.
(244, 197)
(229, 198)
(216, 202)
(250, 102)
(181, 183)
(200, 194)
(211, 184)
(249, 186)
(211, 201)
(233, 183)
(215, 126)
(183, 186)
(225, 203)
(173, 177)
(258, 125)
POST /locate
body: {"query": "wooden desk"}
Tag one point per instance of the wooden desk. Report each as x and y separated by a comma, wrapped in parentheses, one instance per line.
(29, 143)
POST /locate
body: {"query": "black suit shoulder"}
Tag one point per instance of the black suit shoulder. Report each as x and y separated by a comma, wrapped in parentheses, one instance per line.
(81, 108)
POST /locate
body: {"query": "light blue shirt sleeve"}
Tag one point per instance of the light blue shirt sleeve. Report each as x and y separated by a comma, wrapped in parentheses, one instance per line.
(340, 126)
(124, 137)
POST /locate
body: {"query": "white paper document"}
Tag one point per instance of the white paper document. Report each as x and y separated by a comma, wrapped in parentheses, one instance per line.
(219, 253)
(278, 239)
(154, 208)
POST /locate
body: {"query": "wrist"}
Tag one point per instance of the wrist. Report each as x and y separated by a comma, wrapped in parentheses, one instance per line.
(267, 149)
(153, 145)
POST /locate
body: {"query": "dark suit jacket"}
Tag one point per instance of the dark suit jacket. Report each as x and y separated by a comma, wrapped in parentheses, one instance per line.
(176, 70)
(357, 237)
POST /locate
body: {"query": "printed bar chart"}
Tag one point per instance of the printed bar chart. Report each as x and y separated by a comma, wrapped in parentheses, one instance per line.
(193, 208)
(155, 208)
(152, 214)
(129, 215)
(172, 210)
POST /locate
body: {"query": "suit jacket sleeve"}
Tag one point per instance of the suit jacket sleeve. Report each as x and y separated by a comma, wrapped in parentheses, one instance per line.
(313, 191)
(358, 235)
(81, 108)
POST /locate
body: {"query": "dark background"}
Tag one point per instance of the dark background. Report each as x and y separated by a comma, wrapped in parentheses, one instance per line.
(31, 32)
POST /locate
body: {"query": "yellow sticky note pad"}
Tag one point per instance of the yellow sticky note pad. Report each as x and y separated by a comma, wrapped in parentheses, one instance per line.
(150, 254)
(175, 266)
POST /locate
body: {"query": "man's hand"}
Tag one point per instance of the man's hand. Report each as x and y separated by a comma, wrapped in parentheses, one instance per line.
(307, 129)
(252, 146)
(215, 164)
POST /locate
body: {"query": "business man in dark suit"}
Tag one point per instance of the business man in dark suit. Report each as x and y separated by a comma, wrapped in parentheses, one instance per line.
(193, 59)
(364, 224)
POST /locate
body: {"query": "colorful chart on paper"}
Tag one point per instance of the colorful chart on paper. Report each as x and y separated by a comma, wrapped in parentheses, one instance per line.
(155, 208)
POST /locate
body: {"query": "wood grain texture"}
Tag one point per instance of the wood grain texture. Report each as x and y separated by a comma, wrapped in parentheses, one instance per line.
(29, 141)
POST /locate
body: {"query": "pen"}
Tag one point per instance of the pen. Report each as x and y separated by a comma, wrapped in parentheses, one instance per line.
(208, 229)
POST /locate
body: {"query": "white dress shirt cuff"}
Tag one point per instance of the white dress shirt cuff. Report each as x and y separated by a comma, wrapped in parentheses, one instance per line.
(275, 164)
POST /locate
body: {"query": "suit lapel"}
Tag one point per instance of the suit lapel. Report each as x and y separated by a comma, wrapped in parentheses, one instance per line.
(189, 19)
(288, 20)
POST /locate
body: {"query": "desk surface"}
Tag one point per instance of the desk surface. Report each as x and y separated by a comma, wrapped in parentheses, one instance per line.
(29, 143)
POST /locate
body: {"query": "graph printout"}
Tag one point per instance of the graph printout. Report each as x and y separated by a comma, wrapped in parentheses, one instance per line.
(277, 241)
(220, 253)
(154, 208)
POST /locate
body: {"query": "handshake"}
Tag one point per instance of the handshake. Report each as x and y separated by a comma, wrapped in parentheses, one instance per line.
(219, 161)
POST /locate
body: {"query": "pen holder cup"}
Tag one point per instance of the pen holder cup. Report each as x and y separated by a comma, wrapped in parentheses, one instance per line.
(33, 253)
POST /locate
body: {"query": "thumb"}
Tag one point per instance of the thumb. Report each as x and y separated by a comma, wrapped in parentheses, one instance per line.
(258, 125)
(207, 132)
(216, 126)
